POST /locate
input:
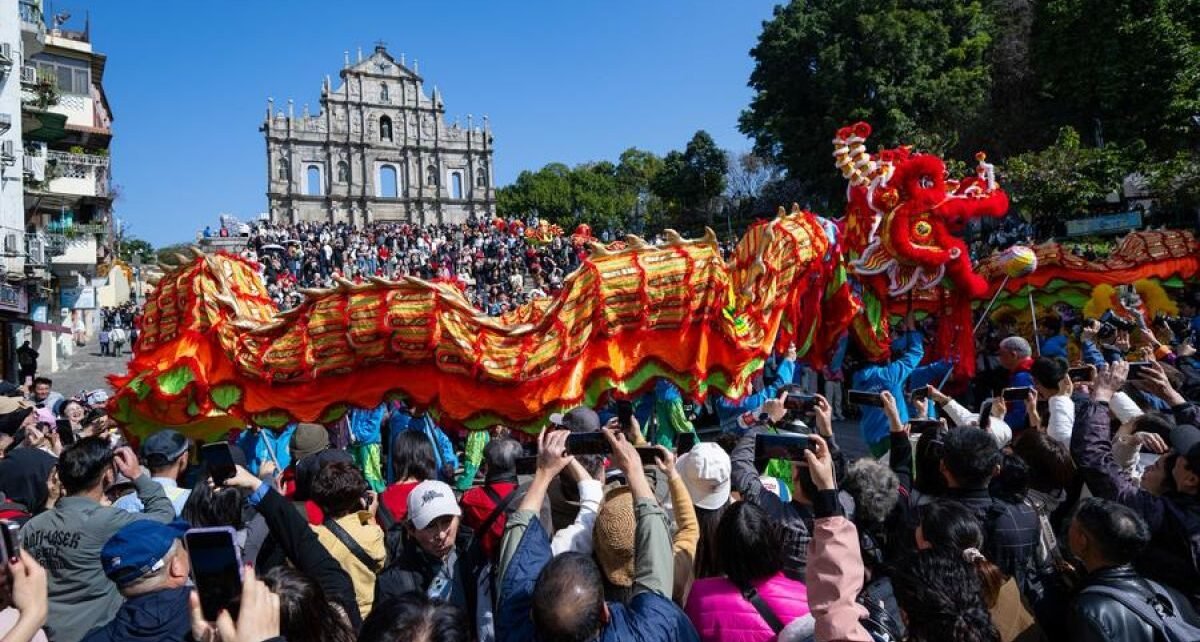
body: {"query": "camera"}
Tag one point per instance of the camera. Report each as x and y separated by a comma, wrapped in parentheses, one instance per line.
(1110, 318)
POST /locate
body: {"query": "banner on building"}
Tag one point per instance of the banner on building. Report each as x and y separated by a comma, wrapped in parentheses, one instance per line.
(1109, 224)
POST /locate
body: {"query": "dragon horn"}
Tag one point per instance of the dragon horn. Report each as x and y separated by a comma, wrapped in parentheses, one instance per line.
(673, 237)
(796, 209)
(781, 212)
(197, 252)
(710, 237)
(182, 258)
(636, 242)
(598, 249)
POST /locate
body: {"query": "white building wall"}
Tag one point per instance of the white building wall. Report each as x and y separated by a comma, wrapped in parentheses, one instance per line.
(12, 200)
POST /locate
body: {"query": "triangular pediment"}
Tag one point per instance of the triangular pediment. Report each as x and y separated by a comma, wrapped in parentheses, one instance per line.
(381, 63)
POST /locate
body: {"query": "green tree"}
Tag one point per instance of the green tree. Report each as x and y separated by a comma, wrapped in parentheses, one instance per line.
(1067, 179)
(917, 71)
(132, 246)
(1121, 70)
(691, 180)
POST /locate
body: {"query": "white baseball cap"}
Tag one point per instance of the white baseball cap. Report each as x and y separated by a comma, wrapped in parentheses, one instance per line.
(430, 500)
(705, 471)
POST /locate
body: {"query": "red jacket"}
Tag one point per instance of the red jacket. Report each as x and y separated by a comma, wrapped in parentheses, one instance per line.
(477, 505)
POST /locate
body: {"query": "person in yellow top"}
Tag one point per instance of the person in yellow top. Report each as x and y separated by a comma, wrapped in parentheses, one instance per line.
(349, 532)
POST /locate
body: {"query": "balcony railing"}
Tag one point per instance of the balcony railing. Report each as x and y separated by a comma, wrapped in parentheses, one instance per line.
(40, 247)
(31, 11)
(82, 160)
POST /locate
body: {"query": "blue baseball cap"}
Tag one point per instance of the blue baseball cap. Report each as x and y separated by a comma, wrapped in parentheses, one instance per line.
(138, 549)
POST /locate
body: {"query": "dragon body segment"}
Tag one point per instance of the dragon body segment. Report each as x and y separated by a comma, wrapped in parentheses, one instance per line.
(215, 353)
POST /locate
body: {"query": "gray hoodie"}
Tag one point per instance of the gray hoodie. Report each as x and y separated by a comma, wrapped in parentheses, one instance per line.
(67, 542)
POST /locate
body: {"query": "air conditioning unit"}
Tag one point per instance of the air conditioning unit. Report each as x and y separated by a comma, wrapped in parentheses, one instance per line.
(7, 151)
(35, 250)
(6, 55)
(29, 75)
(10, 245)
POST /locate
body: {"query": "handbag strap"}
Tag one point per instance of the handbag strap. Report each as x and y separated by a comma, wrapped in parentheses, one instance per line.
(351, 545)
(764, 609)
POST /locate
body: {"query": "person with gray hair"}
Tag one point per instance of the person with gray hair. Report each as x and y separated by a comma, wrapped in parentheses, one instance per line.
(1017, 358)
(148, 564)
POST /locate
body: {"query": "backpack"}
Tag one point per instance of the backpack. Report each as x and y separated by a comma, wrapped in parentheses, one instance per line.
(1155, 609)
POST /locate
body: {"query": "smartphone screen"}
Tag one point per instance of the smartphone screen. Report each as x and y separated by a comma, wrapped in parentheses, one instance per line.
(789, 446)
(1137, 367)
(1080, 375)
(216, 569)
(919, 394)
(685, 441)
(919, 426)
(10, 540)
(588, 443)
(218, 459)
(863, 398)
(625, 413)
(648, 455)
(1016, 394)
(65, 433)
(800, 401)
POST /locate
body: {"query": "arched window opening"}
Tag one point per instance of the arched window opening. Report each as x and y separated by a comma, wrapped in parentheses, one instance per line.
(383, 93)
(456, 185)
(313, 181)
(385, 128)
(343, 172)
(285, 170)
(387, 181)
(481, 177)
(431, 178)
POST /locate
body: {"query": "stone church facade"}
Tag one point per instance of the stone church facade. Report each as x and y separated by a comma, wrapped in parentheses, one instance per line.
(379, 149)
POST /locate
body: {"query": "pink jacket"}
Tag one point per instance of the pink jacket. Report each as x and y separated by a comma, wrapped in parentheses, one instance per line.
(720, 613)
(835, 577)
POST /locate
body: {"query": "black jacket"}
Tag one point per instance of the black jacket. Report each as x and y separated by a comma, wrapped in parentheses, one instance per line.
(302, 548)
(413, 570)
(1100, 618)
(1011, 531)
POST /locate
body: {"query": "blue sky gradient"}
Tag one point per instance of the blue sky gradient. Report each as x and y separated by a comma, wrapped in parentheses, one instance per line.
(561, 80)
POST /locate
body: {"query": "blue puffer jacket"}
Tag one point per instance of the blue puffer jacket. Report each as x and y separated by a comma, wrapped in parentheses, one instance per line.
(877, 377)
(729, 411)
(443, 450)
(161, 616)
(648, 617)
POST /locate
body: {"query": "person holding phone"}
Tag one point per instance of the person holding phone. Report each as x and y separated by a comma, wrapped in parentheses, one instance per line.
(536, 581)
(1016, 356)
(732, 413)
(149, 565)
(891, 376)
(67, 540)
(166, 455)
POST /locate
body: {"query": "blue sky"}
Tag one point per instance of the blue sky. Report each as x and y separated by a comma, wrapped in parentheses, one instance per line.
(563, 80)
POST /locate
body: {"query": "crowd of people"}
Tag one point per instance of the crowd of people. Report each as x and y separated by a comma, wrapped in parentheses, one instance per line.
(1066, 507)
(497, 266)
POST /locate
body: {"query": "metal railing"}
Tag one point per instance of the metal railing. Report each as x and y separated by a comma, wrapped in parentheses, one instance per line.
(31, 11)
(85, 160)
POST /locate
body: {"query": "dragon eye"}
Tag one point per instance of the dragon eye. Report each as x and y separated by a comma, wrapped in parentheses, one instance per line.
(926, 182)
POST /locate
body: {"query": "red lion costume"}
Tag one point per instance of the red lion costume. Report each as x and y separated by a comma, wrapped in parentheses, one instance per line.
(902, 216)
